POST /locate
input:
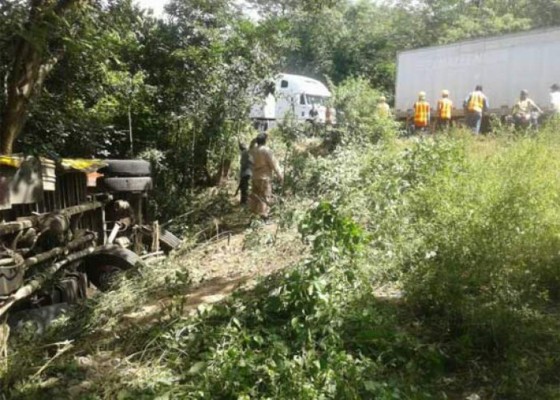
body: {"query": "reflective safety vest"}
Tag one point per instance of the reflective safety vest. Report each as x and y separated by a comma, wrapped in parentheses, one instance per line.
(421, 114)
(445, 106)
(476, 102)
(383, 110)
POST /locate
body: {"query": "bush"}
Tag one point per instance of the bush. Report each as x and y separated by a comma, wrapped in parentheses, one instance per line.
(486, 271)
(313, 332)
(467, 227)
(356, 104)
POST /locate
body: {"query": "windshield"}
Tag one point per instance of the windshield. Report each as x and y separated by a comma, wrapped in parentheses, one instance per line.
(316, 100)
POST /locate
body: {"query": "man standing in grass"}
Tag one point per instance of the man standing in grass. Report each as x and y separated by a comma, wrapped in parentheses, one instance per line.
(475, 104)
(444, 111)
(265, 167)
(421, 113)
(383, 110)
(245, 173)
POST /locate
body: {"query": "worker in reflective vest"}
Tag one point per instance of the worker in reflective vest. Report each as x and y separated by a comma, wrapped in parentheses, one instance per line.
(383, 110)
(475, 104)
(421, 113)
(444, 111)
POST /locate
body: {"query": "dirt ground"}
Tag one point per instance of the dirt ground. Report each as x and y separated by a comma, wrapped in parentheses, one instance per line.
(230, 262)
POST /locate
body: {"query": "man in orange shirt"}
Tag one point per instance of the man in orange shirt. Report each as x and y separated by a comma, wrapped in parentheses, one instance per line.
(444, 111)
(421, 113)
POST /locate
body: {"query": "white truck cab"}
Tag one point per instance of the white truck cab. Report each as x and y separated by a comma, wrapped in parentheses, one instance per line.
(306, 98)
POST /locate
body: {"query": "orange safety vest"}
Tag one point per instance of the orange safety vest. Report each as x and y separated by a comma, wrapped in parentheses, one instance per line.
(421, 114)
(476, 102)
(445, 106)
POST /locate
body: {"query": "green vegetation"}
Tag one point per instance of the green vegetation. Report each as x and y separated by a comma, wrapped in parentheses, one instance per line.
(417, 268)
(432, 271)
(97, 74)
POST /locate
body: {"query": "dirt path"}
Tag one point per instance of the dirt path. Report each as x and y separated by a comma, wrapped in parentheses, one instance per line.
(234, 261)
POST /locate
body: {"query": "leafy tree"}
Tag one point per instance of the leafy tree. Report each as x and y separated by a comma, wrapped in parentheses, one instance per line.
(39, 42)
(202, 63)
(350, 39)
(361, 38)
(83, 107)
(285, 7)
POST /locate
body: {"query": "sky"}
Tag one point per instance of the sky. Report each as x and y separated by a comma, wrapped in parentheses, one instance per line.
(156, 5)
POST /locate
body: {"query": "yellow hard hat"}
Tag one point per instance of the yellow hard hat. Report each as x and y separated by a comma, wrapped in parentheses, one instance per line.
(445, 92)
(422, 95)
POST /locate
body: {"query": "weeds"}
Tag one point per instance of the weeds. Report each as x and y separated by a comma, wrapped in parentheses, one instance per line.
(293, 336)
(469, 229)
(487, 271)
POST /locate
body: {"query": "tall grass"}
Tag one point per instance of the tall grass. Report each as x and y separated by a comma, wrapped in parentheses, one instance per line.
(487, 274)
(468, 228)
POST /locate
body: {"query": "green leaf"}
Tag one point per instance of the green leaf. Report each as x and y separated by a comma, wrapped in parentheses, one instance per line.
(197, 368)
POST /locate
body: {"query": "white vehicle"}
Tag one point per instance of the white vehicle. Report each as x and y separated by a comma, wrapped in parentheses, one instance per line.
(503, 65)
(305, 98)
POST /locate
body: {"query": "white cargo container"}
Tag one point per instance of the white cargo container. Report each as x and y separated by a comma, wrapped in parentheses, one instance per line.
(503, 65)
(294, 94)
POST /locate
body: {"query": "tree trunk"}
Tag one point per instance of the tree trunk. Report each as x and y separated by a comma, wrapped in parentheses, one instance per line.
(130, 137)
(221, 176)
(12, 125)
(21, 83)
(32, 63)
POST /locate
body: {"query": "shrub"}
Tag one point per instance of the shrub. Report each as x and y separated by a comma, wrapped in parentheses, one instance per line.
(486, 271)
(313, 332)
(356, 104)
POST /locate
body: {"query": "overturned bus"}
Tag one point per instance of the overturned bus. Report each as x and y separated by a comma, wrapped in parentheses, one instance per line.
(69, 225)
